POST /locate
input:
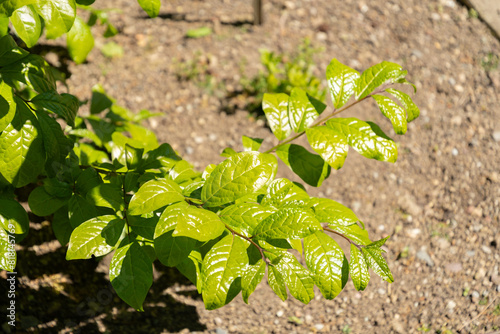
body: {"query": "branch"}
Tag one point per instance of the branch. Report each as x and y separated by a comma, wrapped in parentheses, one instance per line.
(261, 250)
(343, 236)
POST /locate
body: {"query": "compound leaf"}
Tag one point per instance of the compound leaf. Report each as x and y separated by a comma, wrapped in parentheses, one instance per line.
(275, 107)
(366, 138)
(342, 81)
(131, 274)
(241, 174)
(329, 144)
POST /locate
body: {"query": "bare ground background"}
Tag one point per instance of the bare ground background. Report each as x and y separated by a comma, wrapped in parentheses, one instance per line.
(440, 202)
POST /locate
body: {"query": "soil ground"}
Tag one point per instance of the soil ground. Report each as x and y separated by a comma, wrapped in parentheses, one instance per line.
(440, 202)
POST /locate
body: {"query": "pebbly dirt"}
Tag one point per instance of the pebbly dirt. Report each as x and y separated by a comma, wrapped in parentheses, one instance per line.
(440, 202)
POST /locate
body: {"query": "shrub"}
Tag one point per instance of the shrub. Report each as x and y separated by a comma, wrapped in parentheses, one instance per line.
(106, 184)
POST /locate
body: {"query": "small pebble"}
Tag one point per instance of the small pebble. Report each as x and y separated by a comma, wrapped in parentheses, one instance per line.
(453, 267)
(280, 313)
(486, 249)
(470, 253)
(423, 256)
(480, 274)
(454, 152)
(451, 305)
(217, 321)
(381, 291)
(220, 331)
(496, 136)
(319, 326)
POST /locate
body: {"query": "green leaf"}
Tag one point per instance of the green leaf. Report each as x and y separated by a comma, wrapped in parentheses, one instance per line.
(283, 192)
(275, 107)
(327, 262)
(251, 144)
(354, 232)
(333, 213)
(64, 105)
(31, 70)
(393, 111)
(80, 210)
(311, 168)
(199, 32)
(131, 274)
(276, 282)
(228, 152)
(358, 269)
(44, 204)
(112, 50)
(8, 255)
(172, 250)
(100, 101)
(151, 7)
(376, 261)
(183, 171)
(301, 111)
(244, 217)
(342, 81)
(168, 218)
(252, 276)
(14, 219)
(58, 15)
(7, 7)
(4, 25)
(61, 226)
(241, 174)
(329, 144)
(7, 105)
(107, 195)
(191, 268)
(87, 180)
(57, 145)
(9, 51)
(222, 267)
(297, 278)
(153, 195)
(405, 99)
(95, 237)
(133, 156)
(366, 138)
(287, 223)
(80, 41)
(375, 76)
(27, 24)
(21, 149)
(199, 224)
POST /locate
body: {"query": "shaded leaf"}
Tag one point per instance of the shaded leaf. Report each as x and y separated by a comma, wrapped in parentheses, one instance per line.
(43, 204)
(64, 105)
(14, 219)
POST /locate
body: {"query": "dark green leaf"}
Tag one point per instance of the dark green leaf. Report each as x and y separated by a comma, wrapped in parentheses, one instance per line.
(311, 168)
(405, 99)
(252, 276)
(191, 268)
(153, 195)
(14, 219)
(275, 107)
(58, 16)
(377, 75)
(87, 180)
(358, 269)
(27, 24)
(221, 268)
(80, 41)
(80, 210)
(100, 101)
(133, 156)
(95, 237)
(43, 204)
(131, 274)
(9, 51)
(241, 174)
(32, 70)
(326, 260)
(329, 144)
(61, 226)
(107, 195)
(366, 138)
(64, 105)
(342, 81)
(171, 251)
